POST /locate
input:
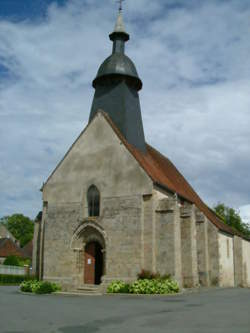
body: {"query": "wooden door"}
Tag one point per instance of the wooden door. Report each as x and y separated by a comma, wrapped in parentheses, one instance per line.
(89, 266)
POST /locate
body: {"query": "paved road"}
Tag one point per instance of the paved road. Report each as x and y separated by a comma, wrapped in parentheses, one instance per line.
(214, 311)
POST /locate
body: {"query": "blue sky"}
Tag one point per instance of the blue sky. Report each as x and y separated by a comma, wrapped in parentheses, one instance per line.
(17, 10)
(193, 58)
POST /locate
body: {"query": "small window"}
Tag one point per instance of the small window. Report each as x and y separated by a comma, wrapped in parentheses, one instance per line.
(228, 253)
(93, 201)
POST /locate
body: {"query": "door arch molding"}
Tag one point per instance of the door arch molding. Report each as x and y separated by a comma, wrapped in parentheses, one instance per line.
(86, 232)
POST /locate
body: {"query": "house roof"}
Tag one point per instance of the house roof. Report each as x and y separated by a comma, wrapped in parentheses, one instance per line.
(163, 173)
(10, 248)
(28, 249)
(6, 231)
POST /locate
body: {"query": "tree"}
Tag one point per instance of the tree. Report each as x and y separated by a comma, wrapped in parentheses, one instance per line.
(232, 218)
(21, 227)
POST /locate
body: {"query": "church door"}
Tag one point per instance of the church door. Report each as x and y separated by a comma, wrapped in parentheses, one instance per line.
(93, 267)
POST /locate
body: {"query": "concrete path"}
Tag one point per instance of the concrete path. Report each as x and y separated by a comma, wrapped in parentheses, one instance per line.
(214, 311)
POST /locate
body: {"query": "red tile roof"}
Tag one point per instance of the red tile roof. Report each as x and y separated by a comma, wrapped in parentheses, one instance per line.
(28, 249)
(163, 173)
(10, 248)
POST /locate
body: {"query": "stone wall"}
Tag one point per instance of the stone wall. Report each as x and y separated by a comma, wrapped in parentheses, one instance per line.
(245, 263)
(36, 246)
(242, 262)
(189, 246)
(226, 260)
(238, 261)
(168, 236)
(202, 249)
(59, 261)
(213, 252)
(147, 233)
(122, 224)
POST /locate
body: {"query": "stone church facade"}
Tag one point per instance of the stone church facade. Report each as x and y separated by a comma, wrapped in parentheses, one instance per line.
(114, 205)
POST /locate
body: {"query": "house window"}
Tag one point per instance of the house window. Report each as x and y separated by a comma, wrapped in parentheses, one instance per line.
(93, 201)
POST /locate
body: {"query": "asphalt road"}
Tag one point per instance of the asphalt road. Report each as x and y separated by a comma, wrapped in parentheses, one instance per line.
(213, 311)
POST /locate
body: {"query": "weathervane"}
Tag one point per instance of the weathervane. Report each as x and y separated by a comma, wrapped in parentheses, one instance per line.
(120, 4)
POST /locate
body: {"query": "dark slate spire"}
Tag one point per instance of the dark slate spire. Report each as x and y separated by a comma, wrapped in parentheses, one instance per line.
(116, 89)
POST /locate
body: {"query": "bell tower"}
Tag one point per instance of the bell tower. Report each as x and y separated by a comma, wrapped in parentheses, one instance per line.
(116, 89)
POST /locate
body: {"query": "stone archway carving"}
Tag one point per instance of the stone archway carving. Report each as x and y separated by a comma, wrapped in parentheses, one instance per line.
(86, 232)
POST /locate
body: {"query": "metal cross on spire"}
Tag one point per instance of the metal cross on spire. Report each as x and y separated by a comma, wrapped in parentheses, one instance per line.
(120, 4)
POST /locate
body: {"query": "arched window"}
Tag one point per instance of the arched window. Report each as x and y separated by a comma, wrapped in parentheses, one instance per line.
(93, 201)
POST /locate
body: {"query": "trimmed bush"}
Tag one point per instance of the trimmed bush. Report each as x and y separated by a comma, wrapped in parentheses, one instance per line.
(16, 261)
(39, 287)
(145, 286)
(154, 286)
(13, 279)
(118, 287)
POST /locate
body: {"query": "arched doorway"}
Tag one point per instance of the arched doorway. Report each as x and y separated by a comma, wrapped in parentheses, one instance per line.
(93, 263)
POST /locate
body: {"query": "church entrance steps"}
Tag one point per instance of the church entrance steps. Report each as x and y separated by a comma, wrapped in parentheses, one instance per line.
(89, 289)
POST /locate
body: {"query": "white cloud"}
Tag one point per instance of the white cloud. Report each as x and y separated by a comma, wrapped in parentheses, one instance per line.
(195, 102)
(245, 213)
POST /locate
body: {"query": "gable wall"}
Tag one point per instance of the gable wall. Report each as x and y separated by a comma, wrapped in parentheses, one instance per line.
(98, 157)
(4, 233)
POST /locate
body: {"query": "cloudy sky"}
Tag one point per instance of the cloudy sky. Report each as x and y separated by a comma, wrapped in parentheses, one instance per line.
(193, 58)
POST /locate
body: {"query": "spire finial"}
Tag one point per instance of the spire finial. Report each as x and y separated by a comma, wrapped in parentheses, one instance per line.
(119, 26)
(120, 5)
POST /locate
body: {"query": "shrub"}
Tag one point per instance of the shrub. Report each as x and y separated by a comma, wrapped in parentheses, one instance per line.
(13, 279)
(118, 287)
(12, 261)
(154, 286)
(17, 261)
(39, 287)
(26, 286)
(145, 286)
(45, 287)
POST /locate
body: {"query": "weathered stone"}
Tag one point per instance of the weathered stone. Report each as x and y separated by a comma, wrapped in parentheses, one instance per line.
(189, 246)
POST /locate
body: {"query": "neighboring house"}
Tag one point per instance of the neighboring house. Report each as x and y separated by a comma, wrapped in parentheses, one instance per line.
(114, 205)
(5, 233)
(9, 248)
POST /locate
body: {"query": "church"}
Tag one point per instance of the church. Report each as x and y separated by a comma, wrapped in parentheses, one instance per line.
(115, 206)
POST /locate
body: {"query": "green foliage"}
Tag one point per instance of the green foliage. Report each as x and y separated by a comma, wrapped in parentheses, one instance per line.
(21, 227)
(26, 286)
(12, 261)
(154, 286)
(118, 287)
(232, 218)
(13, 279)
(39, 287)
(145, 286)
(17, 261)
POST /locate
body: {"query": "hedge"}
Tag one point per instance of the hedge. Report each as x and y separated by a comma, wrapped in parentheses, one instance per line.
(39, 287)
(145, 286)
(14, 279)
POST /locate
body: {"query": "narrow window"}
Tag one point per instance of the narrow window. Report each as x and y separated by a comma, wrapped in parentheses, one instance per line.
(93, 201)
